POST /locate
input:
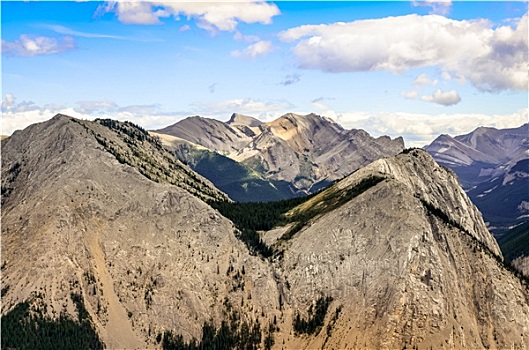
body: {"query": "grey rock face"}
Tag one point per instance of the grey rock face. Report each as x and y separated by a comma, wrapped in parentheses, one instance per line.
(404, 276)
(145, 256)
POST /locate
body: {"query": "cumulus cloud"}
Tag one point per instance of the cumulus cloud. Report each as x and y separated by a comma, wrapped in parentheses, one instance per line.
(421, 129)
(492, 58)
(40, 45)
(424, 79)
(260, 48)
(18, 115)
(9, 104)
(291, 79)
(445, 98)
(209, 15)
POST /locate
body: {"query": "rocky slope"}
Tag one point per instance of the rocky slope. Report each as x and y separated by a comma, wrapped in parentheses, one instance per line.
(409, 263)
(307, 151)
(210, 133)
(145, 256)
(492, 166)
(393, 256)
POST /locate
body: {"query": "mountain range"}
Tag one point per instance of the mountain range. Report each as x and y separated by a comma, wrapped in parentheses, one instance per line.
(493, 167)
(294, 154)
(105, 230)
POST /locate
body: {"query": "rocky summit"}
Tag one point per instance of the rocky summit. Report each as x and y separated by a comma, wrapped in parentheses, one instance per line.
(103, 228)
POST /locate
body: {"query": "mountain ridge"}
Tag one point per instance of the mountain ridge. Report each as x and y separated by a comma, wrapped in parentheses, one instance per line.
(301, 149)
(484, 160)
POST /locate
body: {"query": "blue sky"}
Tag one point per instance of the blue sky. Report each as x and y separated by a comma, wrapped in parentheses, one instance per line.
(416, 69)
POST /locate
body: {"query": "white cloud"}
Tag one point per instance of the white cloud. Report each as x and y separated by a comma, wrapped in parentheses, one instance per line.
(34, 46)
(441, 7)
(421, 129)
(410, 95)
(96, 107)
(209, 15)
(445, 98)
(417, 129)
(8, 102)
(243, 106)
(491, 58)
(424, 79)
(134, 12)
(258, 49)
(19, 115)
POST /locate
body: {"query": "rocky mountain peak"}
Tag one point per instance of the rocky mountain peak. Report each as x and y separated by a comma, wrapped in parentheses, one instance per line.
(240, 119)
(406, 242)
(437, 186)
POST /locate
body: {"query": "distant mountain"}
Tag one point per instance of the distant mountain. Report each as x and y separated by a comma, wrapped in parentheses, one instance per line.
(240, 182)
(504, 199)
(309, 151)
(109, 241)
(493, 167)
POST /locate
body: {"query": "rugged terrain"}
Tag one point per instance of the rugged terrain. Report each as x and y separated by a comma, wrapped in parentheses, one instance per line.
(307, 151)
(145, 256)
(408, 260)
(394, 255)
(493, 166)
(239, 181)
